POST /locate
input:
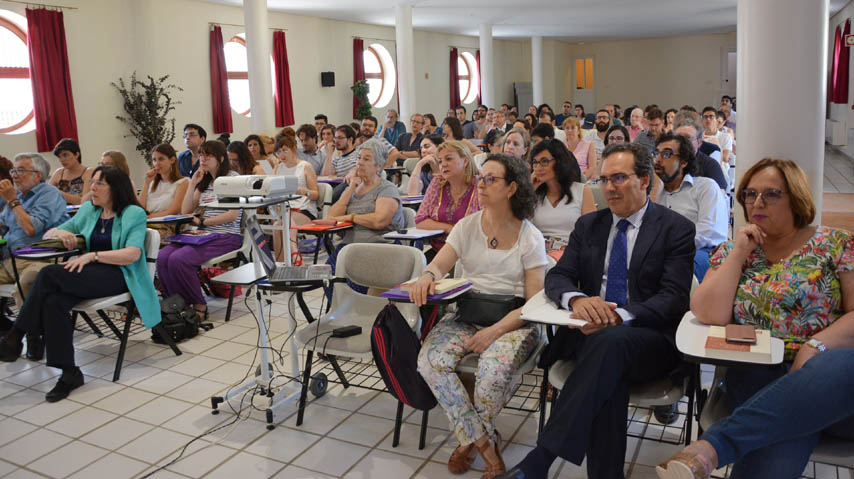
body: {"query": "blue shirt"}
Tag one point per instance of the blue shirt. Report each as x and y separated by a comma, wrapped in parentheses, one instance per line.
(391, 134)
(185, 163)
(46, 207)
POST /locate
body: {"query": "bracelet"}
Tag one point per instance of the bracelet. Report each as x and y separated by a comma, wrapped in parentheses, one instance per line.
(432, 274)
(352, 217)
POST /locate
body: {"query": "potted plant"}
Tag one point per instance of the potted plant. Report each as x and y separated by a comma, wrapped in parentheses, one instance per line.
(147, 106)
(360, 91)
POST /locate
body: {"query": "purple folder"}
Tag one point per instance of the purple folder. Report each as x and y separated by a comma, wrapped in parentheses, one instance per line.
(29, 250)
(398, 293)
(194, 240)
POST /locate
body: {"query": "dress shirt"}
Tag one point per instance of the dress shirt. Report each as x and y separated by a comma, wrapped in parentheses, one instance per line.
(405, 143)
(635, 221)
(316, 159)
(701, 201)
(185, 163)
(46, 207)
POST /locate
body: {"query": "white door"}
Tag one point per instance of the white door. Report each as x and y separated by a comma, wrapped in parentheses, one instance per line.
(729, 72)
(583, 92)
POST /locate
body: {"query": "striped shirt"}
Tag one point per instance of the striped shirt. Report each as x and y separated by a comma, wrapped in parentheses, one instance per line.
(208, 197)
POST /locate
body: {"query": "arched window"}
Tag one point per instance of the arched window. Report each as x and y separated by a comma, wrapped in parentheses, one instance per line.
(16, 90)
(237, 68)
(380, 75)
(467, 70)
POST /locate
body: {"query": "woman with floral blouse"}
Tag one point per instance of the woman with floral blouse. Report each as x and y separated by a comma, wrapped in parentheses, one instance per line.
(797, 280)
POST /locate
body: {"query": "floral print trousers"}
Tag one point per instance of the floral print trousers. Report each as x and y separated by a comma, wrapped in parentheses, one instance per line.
(443, 349)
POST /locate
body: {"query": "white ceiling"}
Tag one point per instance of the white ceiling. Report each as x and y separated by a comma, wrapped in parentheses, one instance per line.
(568, 20)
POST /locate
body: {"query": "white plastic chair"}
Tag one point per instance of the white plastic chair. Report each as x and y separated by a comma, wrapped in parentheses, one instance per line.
(242, 255)
(98, 305)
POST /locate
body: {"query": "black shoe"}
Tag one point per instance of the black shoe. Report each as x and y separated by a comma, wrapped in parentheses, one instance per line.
(35, 347)
(5, 323)
(665, 414)
(9, 353)
(513, 473)
(67, 383)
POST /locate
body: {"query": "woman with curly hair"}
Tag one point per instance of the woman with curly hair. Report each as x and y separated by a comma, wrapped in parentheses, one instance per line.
(502, 253)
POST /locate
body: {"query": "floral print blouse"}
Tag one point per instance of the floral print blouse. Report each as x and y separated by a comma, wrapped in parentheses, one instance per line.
(438, 205)
(797, 296)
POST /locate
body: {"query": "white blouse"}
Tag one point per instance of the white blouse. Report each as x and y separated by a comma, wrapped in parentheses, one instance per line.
(162, 198)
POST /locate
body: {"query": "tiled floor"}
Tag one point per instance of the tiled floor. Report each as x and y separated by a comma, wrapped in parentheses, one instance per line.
(162, 402)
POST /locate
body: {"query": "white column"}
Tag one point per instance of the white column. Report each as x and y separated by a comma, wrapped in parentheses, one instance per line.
(782, 63)
(405, 62)
(259, 44)
(536, 70)
(487, 76)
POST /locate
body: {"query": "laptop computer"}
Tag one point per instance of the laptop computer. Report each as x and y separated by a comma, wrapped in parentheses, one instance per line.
(280, 272)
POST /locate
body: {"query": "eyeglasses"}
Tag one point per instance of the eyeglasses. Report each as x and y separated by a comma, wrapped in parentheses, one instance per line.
(544, 162)
(99, 184)
(190, 135)
(614, 138)
(617, 179)
(21, 171)
(603, 118)
(709, 117)
(488, 180)
(664, 154)
(769, 196)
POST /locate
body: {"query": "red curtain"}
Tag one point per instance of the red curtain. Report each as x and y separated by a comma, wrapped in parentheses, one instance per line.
(53, 101)
(219, 85)
(455, 80)
(834, 69)
(479, 81)
(358, 68)
(841, 76)
(284, 99)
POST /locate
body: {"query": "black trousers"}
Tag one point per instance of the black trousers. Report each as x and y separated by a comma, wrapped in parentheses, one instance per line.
(589, 417)
(47, 309)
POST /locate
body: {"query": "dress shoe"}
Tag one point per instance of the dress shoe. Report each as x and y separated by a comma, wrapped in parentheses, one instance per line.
(35, 347)
(68, 382)
(5, 323)
(666, 414)
(513, 473)
(9, 353)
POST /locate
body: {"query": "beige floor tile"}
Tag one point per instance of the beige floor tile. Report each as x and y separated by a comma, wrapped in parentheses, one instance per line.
(125, 400)
(23, 474)
(94, 389)
(197, 390)
(362, 429)
(225, 331)
(100, 367)
(10, 369)
(228, 350)
(384, 464)
(133, 373)
(159, 410)
(34, 375)
(294, 472)
(410, 437)
(163, 382)
(200, 462)
(197, 366)
(46, 412)
(6, 468)
(351, 398)
(319, 419)
(331, 456)
(155, 445)
(230, 373)
(246, 466)
(67, 459)
(117, 433)
(434, 470)
(34, 445)
(11, 429)
(282, 443)
(239, 434)
(81, 421)
(112, 466)
(196, 420)
(8, 388)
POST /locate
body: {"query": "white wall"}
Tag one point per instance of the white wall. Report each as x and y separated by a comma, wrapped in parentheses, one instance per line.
(108, 39)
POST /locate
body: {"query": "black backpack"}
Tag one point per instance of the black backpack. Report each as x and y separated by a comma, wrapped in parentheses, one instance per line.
(179, 320)
(395, 347)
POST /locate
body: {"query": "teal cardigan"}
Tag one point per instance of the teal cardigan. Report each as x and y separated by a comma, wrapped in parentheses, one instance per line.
(128, 230)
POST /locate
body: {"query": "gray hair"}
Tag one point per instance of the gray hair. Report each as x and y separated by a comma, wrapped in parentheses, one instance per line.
(39, 163)
(375, 146)
(689, 118)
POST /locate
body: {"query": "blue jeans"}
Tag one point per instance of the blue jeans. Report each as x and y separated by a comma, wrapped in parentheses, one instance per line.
(701, 262)
(772, 435)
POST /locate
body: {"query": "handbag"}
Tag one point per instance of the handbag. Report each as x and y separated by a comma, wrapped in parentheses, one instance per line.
(483, 309)
(179, 321)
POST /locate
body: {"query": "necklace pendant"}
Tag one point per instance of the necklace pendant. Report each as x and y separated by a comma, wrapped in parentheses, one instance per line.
(493, 243)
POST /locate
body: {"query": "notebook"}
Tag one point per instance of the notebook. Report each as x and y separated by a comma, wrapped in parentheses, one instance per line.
(399, 293)
(281, 273)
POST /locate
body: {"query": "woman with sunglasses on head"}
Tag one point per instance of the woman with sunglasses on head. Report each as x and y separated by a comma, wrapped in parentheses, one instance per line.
(500, 252)
(797, 280)
(561, 196)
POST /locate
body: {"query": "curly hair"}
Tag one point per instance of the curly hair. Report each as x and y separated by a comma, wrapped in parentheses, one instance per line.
(523, 202)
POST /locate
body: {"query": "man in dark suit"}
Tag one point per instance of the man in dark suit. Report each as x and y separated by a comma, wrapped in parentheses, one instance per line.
(627, 271)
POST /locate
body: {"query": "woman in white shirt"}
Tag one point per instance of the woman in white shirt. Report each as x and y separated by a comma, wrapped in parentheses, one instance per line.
(164, 187)
(561, 197)
(500, 252)
(303, 209)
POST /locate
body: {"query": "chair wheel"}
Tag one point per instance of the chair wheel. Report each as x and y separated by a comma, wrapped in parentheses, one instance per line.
(318, 385)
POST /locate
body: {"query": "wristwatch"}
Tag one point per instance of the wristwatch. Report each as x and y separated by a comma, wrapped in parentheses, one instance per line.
(96, 257)
(817, 344)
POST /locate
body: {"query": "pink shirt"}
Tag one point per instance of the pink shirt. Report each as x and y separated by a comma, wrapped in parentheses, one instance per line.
(580, 153)
(438, 205)
(633, 133)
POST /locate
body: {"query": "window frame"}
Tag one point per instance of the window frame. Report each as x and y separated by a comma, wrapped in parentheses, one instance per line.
(238, 75)
(471, 65)
(376, 76)
(15, 72)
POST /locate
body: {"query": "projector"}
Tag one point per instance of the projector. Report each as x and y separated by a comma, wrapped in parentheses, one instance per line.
(232, 188)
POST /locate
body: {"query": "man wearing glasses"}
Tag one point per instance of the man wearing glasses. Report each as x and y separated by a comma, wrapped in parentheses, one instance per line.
(188, 161)
(697, 198)
(33, 207)
(627, 272)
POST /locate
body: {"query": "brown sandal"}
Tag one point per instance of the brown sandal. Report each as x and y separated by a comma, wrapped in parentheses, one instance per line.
(461, 459)
(685, 465)
(495, 469)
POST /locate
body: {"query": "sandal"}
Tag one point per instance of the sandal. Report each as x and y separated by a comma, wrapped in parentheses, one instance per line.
(495, 469)
(461, 459)
(685, 465)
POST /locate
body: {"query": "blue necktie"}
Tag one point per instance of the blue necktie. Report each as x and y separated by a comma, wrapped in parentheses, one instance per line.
(616, 289)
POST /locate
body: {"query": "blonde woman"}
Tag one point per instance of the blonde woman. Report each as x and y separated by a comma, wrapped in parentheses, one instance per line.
(584, 151)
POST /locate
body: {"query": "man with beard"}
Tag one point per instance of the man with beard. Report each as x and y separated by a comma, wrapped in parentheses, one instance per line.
(612, 110)
(472, 128)
(697, 198)
(597, 136)
(654, 128)
(369, 131)
(567, 112)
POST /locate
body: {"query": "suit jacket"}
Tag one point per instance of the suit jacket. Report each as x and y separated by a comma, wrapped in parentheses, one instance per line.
(660, 272)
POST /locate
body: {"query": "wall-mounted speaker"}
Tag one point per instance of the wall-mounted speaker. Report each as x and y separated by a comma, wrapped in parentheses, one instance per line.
(327, 78)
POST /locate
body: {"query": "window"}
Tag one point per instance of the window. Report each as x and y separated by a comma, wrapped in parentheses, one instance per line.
(237, 68)
(16, 91)
(468, 77)
(584, 74)
(379, 74)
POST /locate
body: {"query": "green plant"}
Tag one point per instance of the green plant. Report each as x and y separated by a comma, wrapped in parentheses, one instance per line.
(360, 91)
(147, 106)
